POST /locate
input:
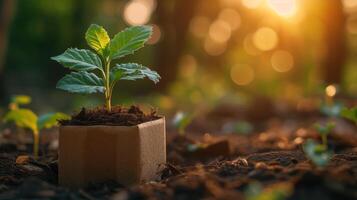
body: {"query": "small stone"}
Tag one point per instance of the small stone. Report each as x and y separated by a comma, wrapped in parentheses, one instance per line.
(23, 159)
(122, 195)
(46, 193)
(240, 161)
(261, 165)
(32, 169)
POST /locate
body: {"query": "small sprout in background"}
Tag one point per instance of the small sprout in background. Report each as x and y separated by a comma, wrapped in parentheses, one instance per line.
(324, 130)
(195, 147)
(350, 114)
(50, 120)
(331, 110)
(239, 127)
(181, 120)
(26, 118)
(317, 153)
(255, 191)
(19, 100)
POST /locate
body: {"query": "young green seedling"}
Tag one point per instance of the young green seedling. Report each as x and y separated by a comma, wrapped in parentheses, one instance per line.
(84, 61)
(332, 110)
(256, 191)
(26, 118)
(350, 114)
(181, 121)
(324, 131)
(319, 153)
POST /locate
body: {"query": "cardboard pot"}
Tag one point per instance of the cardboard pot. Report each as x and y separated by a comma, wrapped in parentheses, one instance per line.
(126, 154)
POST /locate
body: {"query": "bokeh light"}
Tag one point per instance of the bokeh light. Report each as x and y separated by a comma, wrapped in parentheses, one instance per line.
(230, 16)
(214, 48)
(282, 61)
(331, 90)
(242, 74)
(349, 3)
(156, 34)
(265, 39)
(137, 13)
(251, 4)
(199, 26)
(283, 7)
(220, 31)
(151, 4)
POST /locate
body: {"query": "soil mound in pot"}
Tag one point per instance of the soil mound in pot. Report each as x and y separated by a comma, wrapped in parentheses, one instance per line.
(118, 116)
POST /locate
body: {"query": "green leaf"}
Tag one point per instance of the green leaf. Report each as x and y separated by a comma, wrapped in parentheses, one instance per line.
(195, 147)
(79, 60)
(51, 119)
(350, 114)
(23, 118)
(325, 129)
(133, 71)
(129, 40)
(97, 38)
(317, 153)
(81, 82)
(333, 110)
(181, 120)
(256, 191)
(21, 99)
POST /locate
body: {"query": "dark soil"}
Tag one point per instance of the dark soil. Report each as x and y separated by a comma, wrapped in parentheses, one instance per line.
(267, 164)
(118, 116)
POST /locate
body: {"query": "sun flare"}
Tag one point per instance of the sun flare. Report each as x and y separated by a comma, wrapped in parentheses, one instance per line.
(285, 8)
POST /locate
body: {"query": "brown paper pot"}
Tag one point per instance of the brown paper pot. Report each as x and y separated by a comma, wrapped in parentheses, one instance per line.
(127, 154)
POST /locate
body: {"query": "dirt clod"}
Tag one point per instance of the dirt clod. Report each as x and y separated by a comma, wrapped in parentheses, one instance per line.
(118, 116)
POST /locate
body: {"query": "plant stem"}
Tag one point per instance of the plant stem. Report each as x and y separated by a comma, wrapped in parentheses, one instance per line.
(36, 143)
(107, 87)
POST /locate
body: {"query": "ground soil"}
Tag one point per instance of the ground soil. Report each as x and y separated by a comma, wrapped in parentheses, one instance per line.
(118, 116)
(204, 166)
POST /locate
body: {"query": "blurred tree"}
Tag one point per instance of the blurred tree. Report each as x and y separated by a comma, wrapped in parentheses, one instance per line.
(7, 12)
(174, 17)
(81, 15)
(334, 37)
(42, 29)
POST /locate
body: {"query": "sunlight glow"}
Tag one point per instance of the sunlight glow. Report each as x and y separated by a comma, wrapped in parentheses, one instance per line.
(349, 3)
(242, 74)
(282, 61)
(265, 39)
(284, 8)
(251, 4)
